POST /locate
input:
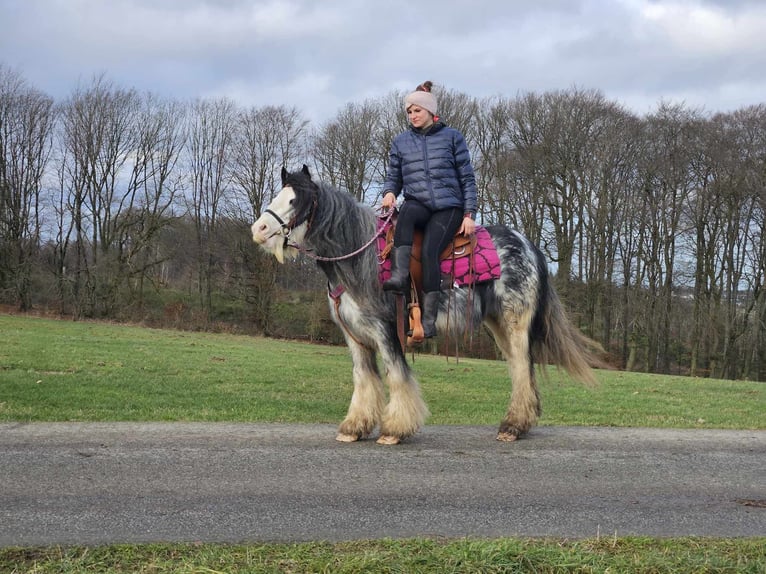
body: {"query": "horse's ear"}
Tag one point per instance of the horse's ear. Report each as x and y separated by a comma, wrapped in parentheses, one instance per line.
(284, 175)
(305, 171)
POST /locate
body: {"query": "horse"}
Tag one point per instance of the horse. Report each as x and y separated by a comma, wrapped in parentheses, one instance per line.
(521, 309)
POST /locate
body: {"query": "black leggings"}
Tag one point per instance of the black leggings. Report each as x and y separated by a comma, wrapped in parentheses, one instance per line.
(439, 227)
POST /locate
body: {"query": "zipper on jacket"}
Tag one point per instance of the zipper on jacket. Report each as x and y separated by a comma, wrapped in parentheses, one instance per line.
(426, 167)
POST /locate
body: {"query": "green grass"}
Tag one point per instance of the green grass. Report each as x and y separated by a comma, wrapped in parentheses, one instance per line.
(82, 371)
(622, 555)
(65, 371)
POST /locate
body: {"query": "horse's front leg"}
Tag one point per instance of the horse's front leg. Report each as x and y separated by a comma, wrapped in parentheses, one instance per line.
(368, 398)
(406, 411)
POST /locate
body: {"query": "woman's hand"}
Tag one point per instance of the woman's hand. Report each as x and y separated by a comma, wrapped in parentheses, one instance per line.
(389, 200)
(468, 227)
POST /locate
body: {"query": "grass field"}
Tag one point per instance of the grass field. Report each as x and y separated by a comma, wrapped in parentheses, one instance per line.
(65, 371)
(616, 556)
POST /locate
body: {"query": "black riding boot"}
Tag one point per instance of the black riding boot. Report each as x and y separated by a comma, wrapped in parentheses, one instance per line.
(400, 270)
(430, 310)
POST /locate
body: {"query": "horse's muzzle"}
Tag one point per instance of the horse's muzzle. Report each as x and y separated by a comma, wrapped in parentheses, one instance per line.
(260, 232)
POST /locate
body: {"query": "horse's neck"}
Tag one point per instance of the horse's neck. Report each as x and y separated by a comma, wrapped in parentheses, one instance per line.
(359, 225)
(342, 215)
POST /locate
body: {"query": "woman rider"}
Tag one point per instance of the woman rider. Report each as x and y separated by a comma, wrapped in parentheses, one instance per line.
(430, 164)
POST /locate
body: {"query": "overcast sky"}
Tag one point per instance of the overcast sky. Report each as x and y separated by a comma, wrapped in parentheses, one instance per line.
(319, 55)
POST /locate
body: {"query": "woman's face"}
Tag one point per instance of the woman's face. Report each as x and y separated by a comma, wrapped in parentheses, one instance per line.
(419, 117)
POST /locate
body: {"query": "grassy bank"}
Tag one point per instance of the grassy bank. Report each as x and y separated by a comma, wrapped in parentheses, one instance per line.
(77, 371)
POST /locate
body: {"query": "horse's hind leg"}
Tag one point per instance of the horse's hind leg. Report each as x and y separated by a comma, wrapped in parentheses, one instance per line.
(511, 334)
(406, 411)
(368, 399)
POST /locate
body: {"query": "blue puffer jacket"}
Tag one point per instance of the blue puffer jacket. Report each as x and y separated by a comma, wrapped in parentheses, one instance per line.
(433, 167)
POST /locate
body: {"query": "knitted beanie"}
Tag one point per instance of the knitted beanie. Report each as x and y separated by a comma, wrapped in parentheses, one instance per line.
(422, 97)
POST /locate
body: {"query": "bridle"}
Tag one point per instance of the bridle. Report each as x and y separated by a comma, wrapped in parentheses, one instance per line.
(287, 229)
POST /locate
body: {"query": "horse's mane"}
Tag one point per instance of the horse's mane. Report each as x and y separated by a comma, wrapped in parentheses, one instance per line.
(338, 225)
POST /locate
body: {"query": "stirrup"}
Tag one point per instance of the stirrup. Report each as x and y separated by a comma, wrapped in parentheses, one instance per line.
(415, 335)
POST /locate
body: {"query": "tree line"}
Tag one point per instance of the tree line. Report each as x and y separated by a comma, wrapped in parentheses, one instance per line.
(125, 205)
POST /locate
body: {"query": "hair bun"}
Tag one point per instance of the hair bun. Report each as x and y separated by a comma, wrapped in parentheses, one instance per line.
(425, 86)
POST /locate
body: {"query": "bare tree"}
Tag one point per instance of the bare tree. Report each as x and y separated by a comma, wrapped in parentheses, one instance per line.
(753, 125)
(523, 166)
(460, 111)
(212, 125)
(705, 216)
(344, 149)
(735, 158)
(610, 172)
(268, 138)
(671, 137)
(553, 138)
(26, 122)
(99, 138)
(494, 160)
(755, 354)
(631, 244)
(391, 121)
(154, 184)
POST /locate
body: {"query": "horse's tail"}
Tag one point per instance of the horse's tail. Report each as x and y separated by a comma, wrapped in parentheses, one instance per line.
(556, 341)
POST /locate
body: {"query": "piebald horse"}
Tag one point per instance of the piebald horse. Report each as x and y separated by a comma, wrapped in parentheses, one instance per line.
(520, 308)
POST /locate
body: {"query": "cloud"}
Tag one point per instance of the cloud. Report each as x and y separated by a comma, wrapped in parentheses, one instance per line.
(319, 56)
(708, 29)
(309, 93)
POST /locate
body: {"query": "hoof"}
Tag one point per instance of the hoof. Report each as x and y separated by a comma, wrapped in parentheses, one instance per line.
(340, 437)
(388, 439)
(506, 437)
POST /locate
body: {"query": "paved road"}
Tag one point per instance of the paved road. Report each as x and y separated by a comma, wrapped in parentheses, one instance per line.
(100, 483)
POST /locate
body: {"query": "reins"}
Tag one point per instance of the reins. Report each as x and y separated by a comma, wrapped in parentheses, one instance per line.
(348, 255)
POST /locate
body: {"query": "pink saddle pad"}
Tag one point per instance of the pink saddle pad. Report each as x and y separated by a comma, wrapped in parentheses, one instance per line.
(481, 265)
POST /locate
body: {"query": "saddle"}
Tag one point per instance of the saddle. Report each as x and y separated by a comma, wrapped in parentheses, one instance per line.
(460, 246)
(465, 262)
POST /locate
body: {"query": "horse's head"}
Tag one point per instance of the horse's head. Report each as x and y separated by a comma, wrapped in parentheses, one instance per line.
(288, 215)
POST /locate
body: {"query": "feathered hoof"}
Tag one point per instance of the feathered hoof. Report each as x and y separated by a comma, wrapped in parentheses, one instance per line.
(388, 439)
(341, 437)
(506, 436)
